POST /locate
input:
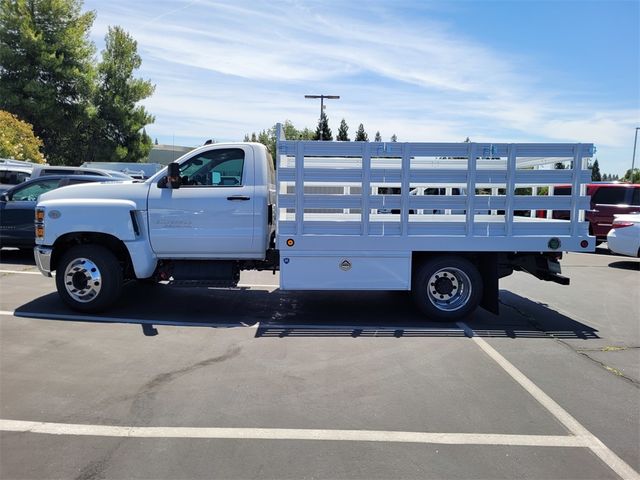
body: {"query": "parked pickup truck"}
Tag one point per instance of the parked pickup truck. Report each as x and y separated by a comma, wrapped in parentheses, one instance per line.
(223, 211)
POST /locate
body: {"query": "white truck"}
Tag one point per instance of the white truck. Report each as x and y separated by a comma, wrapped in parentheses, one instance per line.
(337, 216)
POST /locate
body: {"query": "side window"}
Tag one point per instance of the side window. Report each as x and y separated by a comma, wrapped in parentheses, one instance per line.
(610, 196)
(54, 171)
(13, 178)
(635, 198)
(30, 193)
(215, 168)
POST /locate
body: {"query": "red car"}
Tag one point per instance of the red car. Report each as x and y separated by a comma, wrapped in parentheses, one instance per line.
(607, 200)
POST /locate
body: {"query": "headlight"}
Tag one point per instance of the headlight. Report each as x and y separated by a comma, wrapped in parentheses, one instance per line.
(39, 231)
(39, 215)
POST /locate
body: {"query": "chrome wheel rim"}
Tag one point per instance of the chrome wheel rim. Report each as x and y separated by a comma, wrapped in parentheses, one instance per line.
(449, 289)
(82, 280)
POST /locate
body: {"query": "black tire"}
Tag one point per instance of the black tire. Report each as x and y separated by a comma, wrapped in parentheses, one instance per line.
(446, 288)
(89, 278)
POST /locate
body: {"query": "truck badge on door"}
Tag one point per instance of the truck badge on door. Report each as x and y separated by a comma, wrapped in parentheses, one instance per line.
(345, 265)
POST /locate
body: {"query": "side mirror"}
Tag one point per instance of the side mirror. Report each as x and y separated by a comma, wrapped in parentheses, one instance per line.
(4, 197)
(172, 180)
(173, 169)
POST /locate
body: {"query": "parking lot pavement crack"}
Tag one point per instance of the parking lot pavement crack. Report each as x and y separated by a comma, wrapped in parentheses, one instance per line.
(580, 351)
(95, 470)
(141, 406)
(608, 348)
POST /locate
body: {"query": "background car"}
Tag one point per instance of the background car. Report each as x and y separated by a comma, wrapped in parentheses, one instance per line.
(13, 172)
(17, 206)
(607, 200)
(47, 170)
(624, 236)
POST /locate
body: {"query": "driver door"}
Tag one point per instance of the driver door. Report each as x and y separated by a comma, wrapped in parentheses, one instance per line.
(211, 215)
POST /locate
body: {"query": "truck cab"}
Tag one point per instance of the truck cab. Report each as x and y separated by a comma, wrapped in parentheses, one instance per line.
(219, 208)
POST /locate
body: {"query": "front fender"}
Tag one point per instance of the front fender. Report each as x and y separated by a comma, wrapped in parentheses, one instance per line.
(104, 221)
(109, 216)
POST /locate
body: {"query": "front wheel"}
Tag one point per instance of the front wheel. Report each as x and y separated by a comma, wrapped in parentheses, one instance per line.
(447, 288)
(89, 278)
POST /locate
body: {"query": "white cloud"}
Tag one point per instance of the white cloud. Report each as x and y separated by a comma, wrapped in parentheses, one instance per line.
(226, 69)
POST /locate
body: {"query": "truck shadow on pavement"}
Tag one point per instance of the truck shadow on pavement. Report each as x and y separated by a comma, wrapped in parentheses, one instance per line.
(278, 314)
(626, 265)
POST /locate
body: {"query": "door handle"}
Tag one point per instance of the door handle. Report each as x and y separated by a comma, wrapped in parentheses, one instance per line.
(238, 197)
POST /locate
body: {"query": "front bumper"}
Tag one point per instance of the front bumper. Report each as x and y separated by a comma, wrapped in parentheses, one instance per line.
(43, 259)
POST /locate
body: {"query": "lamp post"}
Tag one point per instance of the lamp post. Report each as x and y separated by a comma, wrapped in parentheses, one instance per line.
(633, 159)
(322, 97)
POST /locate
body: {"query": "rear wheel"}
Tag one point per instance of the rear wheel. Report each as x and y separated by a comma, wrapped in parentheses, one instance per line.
(447, 288)
(89, 278)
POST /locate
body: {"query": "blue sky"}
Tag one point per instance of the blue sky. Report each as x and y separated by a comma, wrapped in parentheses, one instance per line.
(502, 71)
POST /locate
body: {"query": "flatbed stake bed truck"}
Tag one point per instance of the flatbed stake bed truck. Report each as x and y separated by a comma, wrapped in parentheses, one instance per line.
(442, 220)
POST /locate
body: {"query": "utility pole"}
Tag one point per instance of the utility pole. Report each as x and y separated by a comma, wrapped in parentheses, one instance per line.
(322, 97)
(633, 160)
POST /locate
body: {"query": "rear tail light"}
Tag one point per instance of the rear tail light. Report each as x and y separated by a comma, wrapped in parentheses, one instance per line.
(622, 224)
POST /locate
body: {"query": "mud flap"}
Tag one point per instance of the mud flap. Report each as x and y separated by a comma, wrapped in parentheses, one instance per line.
(488, 266)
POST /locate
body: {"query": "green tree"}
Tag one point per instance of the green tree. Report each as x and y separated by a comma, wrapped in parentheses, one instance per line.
(46, 71)
(119, 123)
(17, 140)
(323, 132)
(633, 177)
(378, 137)
(268, 137)
(343, 132)
(596, 176)
(361, 135)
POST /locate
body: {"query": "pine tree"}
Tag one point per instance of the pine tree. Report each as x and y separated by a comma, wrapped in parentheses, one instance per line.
(156, 141)
(378, 137)
(595, 172)
(343, 132)
(323, 132)
(46, 72)
(361, 135)
(394, 138)
(120, 119)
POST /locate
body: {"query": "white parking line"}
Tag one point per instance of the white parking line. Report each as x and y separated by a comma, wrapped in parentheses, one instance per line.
(603, 452)
(361, 329)
(293, 434)
(27, 272)
(95, 318)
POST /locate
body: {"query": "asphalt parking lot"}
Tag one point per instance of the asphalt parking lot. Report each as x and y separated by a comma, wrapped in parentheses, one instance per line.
(259, 383)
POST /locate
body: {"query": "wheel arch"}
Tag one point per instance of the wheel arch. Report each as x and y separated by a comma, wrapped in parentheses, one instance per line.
(110, 242)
